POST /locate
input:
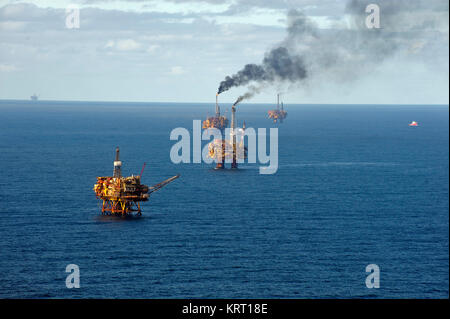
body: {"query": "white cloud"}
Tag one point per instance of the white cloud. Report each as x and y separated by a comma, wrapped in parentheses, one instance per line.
(127, 45)
(110, 44)
(177, 70)
(152, 48)
(123, 45)
(133, 54)
(8, 68)
(12, 25)
(14, 10)
(132, 6)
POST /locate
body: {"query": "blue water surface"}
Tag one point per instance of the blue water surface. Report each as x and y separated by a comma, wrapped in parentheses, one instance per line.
(355, 186)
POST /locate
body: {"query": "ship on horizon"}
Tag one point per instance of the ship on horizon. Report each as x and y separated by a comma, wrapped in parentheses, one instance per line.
(34, 97)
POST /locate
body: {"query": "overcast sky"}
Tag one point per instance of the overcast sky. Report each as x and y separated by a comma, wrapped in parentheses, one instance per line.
(179, 51)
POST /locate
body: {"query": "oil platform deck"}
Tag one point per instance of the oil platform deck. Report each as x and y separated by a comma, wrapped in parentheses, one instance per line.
(122, 195)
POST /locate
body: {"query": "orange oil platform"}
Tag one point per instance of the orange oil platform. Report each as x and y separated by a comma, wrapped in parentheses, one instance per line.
(122, 195)
(221, 149)
(279, 114)
(219, 122)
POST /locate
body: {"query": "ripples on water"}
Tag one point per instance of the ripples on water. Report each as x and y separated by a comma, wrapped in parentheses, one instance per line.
(371, 190)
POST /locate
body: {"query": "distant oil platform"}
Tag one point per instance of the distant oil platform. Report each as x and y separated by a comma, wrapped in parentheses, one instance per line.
(122, 195)
(218, 121)
(279, 114)
(221, 149)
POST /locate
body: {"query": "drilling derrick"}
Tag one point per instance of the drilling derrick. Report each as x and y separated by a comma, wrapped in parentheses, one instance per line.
(219, 122)
(122, 195)
(117, 165)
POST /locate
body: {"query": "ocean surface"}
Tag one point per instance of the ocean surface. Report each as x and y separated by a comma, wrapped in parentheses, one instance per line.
(355, 186)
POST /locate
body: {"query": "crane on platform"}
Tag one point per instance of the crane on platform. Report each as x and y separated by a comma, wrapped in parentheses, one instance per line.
(122, 195)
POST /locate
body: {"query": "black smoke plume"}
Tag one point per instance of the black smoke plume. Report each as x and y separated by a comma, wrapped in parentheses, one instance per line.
(278, 64)
(347, 51)
(243, 97)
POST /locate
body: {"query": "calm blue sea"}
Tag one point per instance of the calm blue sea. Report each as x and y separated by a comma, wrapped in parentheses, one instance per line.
(355, 186)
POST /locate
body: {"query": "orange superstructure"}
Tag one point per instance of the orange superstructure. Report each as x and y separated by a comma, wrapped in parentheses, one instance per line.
(218, 121)
(122, 195)
(279, 114)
